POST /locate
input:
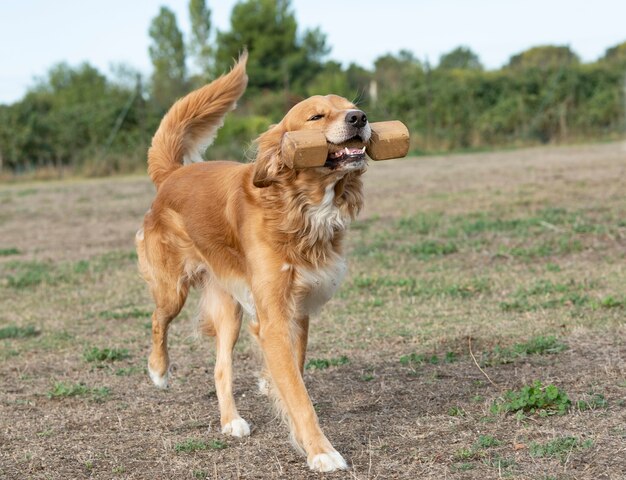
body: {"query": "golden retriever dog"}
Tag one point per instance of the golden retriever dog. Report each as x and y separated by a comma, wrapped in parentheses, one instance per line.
(260, 238)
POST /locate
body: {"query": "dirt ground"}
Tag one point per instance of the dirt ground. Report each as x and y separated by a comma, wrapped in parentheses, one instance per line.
(471, 277)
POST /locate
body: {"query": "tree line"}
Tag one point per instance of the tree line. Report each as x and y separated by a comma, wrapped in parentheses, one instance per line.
(76, 117)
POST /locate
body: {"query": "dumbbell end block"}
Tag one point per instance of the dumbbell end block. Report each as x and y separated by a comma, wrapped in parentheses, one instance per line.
(389, 140)
(304, 148)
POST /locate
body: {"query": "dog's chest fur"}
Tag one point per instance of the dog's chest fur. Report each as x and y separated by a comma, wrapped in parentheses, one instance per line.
(325, 220)
(319, 284)
(316, 284)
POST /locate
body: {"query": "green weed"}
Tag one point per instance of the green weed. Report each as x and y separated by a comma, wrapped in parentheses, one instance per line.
(534, 398)
(5, 252)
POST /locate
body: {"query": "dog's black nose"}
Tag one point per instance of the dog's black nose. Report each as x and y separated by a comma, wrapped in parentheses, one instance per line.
(356, 118)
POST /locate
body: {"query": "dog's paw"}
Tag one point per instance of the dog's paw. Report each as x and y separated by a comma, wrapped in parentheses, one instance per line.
(327, 462)
(237, 428)
(159, 380)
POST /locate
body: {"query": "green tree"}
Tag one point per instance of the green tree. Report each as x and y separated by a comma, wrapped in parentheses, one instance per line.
(616, 54)
(167, 52)
(307, 60)
(279, 58)
(267, 28)
(460, 58)
(199, 46)
(544, 57)
(392, 71)
(67, 118)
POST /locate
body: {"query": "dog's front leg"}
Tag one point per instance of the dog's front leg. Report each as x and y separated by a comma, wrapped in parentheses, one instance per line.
(284, 360)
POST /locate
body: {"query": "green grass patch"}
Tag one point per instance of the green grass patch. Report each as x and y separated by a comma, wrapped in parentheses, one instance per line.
(421, 223)
(431, 248)
(18, 332)
(540, 345)
(462, 467)
(414, 287)
(612, 302)
(548, 247)
(560, 447)
(64, 390)
(534, 398)
(5, 252)
(499, 462)
(323, 363)
(128, 371)
(194, 444)
(95, 354)
(20, 275)
(487, 441)
(132, 313)
(29, 274)
(593, 401)
(546, 294)
(421, 359)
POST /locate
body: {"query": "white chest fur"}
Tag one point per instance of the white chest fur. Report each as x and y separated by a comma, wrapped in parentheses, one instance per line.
(320, 284)
(325, 218)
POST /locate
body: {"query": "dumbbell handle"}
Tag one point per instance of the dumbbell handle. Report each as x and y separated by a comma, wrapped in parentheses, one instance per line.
(309, 148)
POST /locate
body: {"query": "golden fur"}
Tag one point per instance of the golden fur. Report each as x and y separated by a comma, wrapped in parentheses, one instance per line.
(258, 237)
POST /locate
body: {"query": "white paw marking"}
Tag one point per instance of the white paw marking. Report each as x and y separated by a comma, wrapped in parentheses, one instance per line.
(237, 428)
(328, 462)
(159, 380)
(264, 386)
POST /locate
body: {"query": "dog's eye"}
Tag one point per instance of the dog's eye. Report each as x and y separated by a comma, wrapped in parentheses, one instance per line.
(316, 117)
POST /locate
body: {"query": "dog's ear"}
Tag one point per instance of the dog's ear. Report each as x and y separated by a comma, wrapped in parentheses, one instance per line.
(262, 177)
(268, 161)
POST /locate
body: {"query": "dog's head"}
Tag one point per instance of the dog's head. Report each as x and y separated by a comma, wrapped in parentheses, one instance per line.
(347, 133)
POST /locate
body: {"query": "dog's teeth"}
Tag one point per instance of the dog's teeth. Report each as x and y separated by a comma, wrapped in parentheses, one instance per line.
(346, 151)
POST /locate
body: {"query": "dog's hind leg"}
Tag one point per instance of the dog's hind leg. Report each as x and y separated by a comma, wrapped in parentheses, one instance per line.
(169, 287)
(221, 316)
(168, 305)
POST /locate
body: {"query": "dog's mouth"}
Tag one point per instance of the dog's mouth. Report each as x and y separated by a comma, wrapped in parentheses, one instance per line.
(348, 155)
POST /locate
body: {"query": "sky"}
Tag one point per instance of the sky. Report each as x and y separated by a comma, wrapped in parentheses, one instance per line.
(36, 34)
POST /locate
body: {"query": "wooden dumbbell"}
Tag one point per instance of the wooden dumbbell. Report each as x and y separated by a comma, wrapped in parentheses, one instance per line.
(308, 148)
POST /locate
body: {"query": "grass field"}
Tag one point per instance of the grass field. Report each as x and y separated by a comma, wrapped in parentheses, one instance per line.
(479, 334)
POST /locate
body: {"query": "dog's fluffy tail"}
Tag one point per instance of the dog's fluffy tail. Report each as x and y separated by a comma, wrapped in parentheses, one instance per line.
(190, 126)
